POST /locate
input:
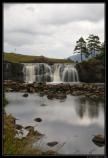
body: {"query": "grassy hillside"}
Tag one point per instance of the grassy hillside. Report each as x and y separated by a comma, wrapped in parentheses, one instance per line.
(15, 58)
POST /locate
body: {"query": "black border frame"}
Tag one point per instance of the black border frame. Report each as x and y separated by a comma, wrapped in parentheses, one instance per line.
(2, 57)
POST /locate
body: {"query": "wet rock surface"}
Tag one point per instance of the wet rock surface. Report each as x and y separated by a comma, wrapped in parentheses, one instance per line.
(13, 71)
(38, 119)
(58, 91)
(99, 140)
(51, 144)
(91, 71)
(25, 95)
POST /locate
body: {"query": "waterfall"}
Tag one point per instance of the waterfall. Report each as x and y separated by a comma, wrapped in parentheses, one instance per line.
(56, 75)
(38, 72)
(29, 73)
(70, 74)
(42, 72)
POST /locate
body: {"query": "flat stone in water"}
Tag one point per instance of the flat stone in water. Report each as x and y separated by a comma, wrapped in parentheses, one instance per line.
(99, 140)
(51, 144)
(25, 95)
(38, 119)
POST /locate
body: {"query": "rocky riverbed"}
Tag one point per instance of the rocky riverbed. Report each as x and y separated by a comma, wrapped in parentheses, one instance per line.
(58, 91)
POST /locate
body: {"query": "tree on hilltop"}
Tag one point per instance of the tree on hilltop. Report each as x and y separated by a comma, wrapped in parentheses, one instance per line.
(81, 47)
(93, 44)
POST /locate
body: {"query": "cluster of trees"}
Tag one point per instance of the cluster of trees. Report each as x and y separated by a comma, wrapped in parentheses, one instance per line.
(90, 47)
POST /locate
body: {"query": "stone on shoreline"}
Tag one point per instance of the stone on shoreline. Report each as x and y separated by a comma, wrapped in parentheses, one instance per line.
(29, 128)
(18, 127)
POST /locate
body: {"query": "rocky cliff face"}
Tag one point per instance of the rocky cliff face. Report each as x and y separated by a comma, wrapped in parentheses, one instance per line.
(91, 71)
(13, 71)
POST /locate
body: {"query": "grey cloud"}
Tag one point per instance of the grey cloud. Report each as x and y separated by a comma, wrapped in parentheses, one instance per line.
(18, 39)
(29, 31)
(51, 30)
(66, 14)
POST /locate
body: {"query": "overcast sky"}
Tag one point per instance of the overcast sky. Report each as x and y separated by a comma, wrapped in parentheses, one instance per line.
(50, 29)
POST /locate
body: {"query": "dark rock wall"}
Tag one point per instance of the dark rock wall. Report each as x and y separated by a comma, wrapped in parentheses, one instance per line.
(13, 71)
(91, 71)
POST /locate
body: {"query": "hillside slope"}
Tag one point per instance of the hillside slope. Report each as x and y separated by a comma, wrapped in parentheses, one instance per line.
(18, 58)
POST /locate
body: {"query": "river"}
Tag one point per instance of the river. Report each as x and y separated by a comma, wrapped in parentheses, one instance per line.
(71, 122)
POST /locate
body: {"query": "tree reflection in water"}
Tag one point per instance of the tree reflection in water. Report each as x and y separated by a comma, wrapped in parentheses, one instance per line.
(81, 107)
(93, 109)
(88, 107)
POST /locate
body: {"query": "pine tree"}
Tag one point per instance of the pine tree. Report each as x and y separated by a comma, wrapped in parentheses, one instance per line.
(93, 44)
(101, 55)
(102, 47)
(81, 47)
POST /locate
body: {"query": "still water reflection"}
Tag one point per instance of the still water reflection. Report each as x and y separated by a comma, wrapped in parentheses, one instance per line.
(71, 122)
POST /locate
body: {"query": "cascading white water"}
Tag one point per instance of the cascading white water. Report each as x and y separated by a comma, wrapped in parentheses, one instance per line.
(70, 74)
(29, 71)
(40, 72)
(56, 75)
(43, 72)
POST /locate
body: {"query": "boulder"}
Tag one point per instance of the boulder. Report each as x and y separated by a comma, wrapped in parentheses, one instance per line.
(99, 140)
(38, 119)
(51, 144)
(25, 95)
(50, 96)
